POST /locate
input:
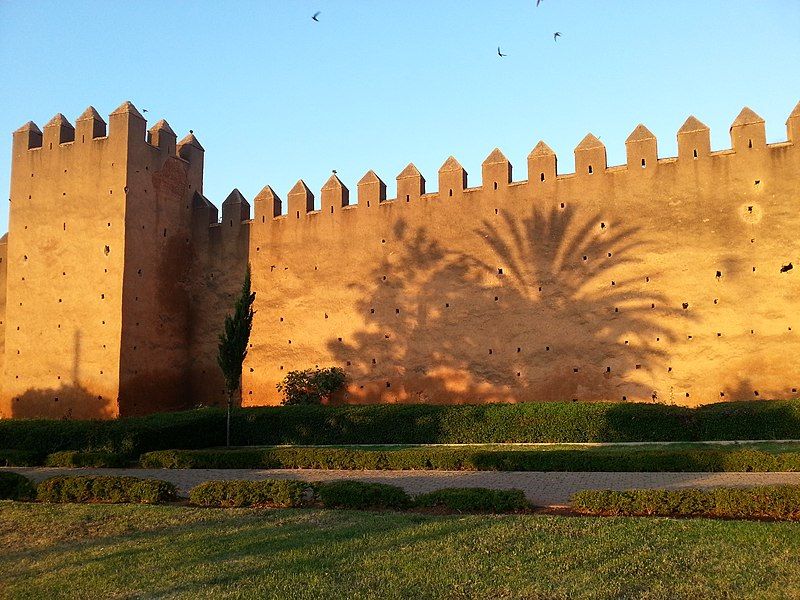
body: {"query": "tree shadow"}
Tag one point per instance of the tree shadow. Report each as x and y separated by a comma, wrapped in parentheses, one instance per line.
(70, 401)
(535, 308)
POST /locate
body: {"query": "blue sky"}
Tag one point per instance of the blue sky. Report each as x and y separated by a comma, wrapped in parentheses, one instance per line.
(274, 96)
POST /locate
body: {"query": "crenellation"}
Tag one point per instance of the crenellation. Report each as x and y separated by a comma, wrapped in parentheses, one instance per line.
(57, 131)
(162, 137)
(334, 195)
(694, 140)
(27, 137)
(452, 179)
(793, 125)
(641, 150)
(495, 171)
(371, 190)
(267, 205)
(89, 125)
(542, 165)
(590, 156)
(300, 200)
(410, 184)
(748, 132)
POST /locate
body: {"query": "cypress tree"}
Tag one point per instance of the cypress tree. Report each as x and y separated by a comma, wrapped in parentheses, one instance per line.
(233, 345)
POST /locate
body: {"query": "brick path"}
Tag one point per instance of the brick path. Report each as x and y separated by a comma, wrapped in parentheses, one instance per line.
(544, 489)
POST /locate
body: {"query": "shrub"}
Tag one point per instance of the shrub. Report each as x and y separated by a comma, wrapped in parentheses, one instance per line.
(76, 458)
(283, 493)
(14, 486)
(475, 459)
(474, 500)
(361, 495)
(20, 458)
(105, 489)
(777, 502)
(411, 424)
(311, 386)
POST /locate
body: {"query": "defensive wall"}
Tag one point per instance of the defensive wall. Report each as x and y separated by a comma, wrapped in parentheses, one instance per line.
(664, 279)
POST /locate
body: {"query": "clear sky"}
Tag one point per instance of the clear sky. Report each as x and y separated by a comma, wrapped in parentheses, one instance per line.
(274, 96)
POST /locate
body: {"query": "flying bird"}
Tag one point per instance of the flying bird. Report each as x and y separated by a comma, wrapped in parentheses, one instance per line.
(500, 53)
(315, 15)
(556, 35)
(144, 110)
(538, 2)
(334, 171)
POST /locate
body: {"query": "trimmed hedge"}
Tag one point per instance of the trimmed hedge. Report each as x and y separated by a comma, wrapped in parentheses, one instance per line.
(411, 424)
(476, 459)
(14, 486)
(76, 458)
(20, 458)
(474, 500)
(283, 493)
(775, 502)
(361, 496)
(112, 490)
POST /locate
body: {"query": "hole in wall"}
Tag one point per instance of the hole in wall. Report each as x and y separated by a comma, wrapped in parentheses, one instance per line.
(490, 350)
(499, 270)
(719, 274)
(750, 209)
(496, 211)
(331, 210)
(408, 198)
(495, 185)
(563, 205)
(694, 153)
(644, 163)
(590, 169)
(749, 143)
(624, 397)
(608, 369)
(574, 369)
(541, 176)
(298, 214)
(786, 268)
(685, 305)
(451, 192)
(755, 393)
(757, 182)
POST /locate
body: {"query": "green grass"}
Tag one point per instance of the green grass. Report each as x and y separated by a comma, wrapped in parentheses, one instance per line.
(80, 551)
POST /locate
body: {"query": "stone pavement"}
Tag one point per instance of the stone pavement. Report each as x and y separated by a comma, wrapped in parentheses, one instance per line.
(543, 489)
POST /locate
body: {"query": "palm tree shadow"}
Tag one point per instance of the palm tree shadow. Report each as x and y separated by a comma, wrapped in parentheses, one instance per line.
(532, 310)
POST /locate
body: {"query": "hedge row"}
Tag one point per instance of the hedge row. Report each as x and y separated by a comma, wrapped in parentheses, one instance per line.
(14, 486)
(411, 424)
(475, 459)
(355, 495)
(775, 502)
(105, 489)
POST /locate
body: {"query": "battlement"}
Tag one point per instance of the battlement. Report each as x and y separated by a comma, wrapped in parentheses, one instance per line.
(748, 143)
(126, 129)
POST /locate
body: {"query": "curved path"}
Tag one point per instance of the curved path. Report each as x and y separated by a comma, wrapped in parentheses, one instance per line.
(543, 489)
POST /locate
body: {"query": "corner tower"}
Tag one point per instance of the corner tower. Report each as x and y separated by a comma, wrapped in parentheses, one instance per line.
(98, 240)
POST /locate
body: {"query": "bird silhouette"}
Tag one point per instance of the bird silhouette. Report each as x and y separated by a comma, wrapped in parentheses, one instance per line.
(144, 110)
(315, 15)
(334, 171)
(538, 2)
(556, 35)
(500, 53)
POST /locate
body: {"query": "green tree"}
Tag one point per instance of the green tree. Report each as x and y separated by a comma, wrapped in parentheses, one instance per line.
(233, 345)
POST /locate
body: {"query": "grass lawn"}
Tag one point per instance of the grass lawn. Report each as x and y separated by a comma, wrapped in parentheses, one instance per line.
(127, 551)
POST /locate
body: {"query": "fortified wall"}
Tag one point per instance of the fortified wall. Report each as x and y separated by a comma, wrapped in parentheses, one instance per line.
(663, 280)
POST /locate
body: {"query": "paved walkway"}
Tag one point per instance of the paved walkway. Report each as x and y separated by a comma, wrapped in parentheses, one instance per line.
(543, 489)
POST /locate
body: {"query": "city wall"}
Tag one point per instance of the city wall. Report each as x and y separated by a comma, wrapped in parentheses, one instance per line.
(666, 279)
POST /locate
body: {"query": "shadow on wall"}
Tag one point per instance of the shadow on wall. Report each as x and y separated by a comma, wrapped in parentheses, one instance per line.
(533, 314)
(65, 402)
